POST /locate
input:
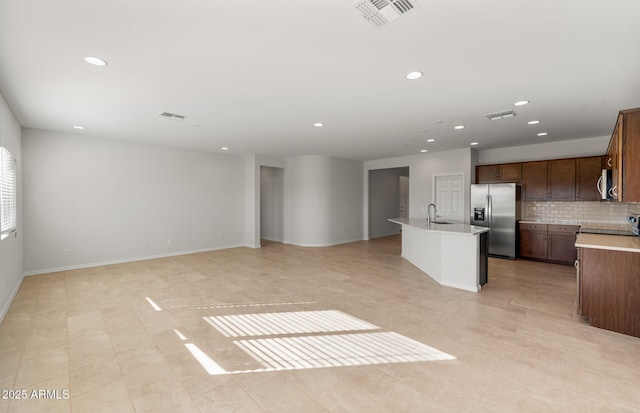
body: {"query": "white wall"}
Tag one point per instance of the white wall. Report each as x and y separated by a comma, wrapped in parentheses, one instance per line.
(103, 198)
(11, 248)
(325, 198)
(541, 151)
(272, 203)
(422, 169)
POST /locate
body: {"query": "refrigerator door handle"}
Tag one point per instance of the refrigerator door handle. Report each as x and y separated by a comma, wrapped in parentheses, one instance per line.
(489, 211)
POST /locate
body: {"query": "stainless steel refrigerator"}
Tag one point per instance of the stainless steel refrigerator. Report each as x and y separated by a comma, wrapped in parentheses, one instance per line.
(497, 206)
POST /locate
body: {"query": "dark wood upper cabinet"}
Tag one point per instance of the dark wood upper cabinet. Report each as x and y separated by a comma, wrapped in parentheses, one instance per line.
(571, 179)
(487, 174)
(588, 171)
(550, 180)
(561, 176)
(509, 172)
(623, 156)
(535, 183)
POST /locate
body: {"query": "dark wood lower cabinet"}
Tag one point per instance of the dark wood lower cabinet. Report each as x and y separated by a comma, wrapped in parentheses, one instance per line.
(533, 241)
(609, 289)
(561, 243)
(548, 242)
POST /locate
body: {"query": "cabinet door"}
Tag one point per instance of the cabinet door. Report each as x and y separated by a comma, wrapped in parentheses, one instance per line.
(609, 289)
(562, 180)
(588, 171)
(487, 174)
(630, 154)
(511, 172)
(535, 181)
(562, 247)
(533, 244)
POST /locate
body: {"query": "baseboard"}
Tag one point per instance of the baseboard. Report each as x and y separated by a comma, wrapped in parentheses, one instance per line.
(126, 260)
(6, 307)
(472, 288)
(326, 245)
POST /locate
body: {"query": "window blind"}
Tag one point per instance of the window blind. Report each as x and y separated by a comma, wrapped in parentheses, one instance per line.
(8, 193)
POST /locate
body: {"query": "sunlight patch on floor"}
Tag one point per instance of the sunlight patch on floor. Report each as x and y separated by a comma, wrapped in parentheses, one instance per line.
(313, 339)
(297, 322)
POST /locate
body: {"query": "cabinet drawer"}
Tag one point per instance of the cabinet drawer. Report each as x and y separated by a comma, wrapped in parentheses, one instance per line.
(568, 229)
(533, 227)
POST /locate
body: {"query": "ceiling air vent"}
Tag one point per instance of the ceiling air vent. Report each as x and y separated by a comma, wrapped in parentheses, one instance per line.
(505, 114)
(381, 12)
(172, 116)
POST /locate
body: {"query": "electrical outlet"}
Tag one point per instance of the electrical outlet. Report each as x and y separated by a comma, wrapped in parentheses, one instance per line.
(67, 252)
(145, 244)
(169, 241)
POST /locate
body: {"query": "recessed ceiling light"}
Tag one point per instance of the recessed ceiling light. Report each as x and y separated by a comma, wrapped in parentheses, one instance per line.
(96, 61)
(318, 124)
(533, 122)
(543, 134)
(459, 127)
(431, 140)
(473, 143)
(423, 150)
(78, 127)
(414, 75)
(224, 148)
(521, 103)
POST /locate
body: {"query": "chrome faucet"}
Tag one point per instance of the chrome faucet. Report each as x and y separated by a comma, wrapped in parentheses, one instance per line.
(435, 213)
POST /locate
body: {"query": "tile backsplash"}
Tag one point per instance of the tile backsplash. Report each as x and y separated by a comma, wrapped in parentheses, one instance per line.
(579, 212)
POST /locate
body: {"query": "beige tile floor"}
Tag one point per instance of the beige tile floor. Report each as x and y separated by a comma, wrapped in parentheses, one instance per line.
(518, 345)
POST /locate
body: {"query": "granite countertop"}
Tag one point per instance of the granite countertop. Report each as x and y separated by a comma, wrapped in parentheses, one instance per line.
(454, 228)
(551, 222)
(585, 225)
(608, 242)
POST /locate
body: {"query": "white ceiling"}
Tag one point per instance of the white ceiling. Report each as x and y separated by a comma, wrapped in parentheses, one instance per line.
(255, 75)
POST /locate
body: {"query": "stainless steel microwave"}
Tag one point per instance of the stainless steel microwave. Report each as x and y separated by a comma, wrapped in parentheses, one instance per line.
(607, 192)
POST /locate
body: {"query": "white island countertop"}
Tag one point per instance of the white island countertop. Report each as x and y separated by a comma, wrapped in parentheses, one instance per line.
(454, 228)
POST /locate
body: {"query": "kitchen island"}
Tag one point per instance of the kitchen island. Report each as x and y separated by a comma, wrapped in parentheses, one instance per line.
(452, 254)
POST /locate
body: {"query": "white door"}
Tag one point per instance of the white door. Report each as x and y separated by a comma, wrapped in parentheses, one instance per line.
(449, 197)
(403, 196)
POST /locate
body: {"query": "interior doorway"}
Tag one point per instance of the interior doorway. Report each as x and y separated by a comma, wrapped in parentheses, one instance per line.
(272, 204)
(403, 196)
(449, 197)
(388, 198)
